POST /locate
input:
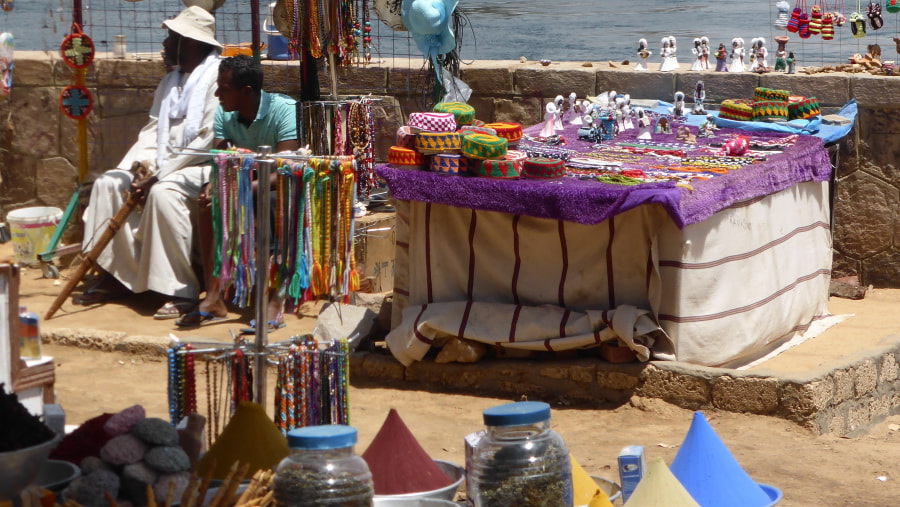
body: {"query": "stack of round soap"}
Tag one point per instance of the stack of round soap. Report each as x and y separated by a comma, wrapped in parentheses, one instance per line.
(544, 168)
(802, 108)
(431, 122)
(736, 109)
(430, 143)
(512, 132)
(496, 169)
(464, 114)
(472, 129)
(406, 138)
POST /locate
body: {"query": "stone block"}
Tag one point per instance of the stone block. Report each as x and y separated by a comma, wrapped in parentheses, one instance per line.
(640, 85)
(838, 425)
(882, 269)
(745, 394)
(31, 71)
(718, 85)
(527, 111)
(484, 108)
(35, 117)
(117, 102)
(803, 400)
(407, 81)
(68, 139)
(858, 418)
(880, 406)
(863, 217)
(488, 81)
(358, 80)
(63, 75)
(125, 73)
(865, 378)
(828, 89)
(344, 321)
(875, 91)
(382, 367)
(549, 84)
(616, 380)
(583, 374)
(380, 303)
(556, 372)
(842, 265)
(282, 77)
(682, 389)
(889, 369)
(55, 181)
(843, 386)
(874, 122)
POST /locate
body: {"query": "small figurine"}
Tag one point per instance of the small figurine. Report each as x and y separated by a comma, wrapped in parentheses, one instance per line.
(678, 108)
(643, 53)
(607, 117)
(574, 109)
(697, 64)
(669, 62)
(708, 128)
(737, 55)
(558, 103)
(620, 120)
(721, 58)
(662, 125)
(704, 52)
(761, 63)
(683, 133)
(699, 97)
(791, 63)
(587, 132)
(643, 123)
(611, 98)
(550, 113)
(781, 54)
(627, 113)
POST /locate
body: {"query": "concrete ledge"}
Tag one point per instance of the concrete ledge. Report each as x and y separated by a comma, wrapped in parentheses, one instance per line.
(845, 400)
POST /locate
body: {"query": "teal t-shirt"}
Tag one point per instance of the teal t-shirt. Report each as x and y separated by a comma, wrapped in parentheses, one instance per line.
(275, 121)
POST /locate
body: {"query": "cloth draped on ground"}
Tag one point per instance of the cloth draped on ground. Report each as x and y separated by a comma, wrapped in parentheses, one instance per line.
(153, 249)
(727, 270)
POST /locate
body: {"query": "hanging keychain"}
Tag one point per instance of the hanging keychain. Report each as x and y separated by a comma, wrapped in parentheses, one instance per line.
(793, 25)
(873, 11)
(803, 25)
(857, 23)
(815, 19)
(827, 22)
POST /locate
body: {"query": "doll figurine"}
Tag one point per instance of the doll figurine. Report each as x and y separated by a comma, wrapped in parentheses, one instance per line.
(558, 103)
(643, 53)
(699, 97)
(662, 125)
(678, 108)
(721, 58)
(574, 110)
(697, 64)
(780, 53)
(643, 123)
(791, 62)
(737, 55)
(761, 64)
(704, 52)
(607, 117)
(670, 62)
(550, 114)
(708, 128)
(627, 112)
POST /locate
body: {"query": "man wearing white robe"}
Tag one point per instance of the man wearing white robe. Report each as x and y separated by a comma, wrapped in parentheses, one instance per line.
(153, 249)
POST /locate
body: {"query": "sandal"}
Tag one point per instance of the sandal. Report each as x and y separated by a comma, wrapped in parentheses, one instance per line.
(173, 310)
(274, 325)
(98, 295)
(196, 318)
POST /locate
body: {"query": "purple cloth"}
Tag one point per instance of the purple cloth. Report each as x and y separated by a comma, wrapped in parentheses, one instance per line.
(590, 202)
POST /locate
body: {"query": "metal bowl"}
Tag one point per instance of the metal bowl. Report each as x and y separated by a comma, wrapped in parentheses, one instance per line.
(456, 473)
(19, 468)
(612, 490)
(55, 475)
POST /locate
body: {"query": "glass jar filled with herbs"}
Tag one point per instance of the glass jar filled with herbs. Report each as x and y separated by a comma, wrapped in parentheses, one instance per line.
(323, 470)
(520, 461)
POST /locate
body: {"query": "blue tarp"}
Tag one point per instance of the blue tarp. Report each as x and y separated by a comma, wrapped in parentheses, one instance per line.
(814, 127)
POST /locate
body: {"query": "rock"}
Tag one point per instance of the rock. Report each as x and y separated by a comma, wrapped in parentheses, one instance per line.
(120, 423)
(460, 351)
(91, 463)
(344, 321)
(135, 478)
(161, 488)
(168, 459)
(89, 490)
(123, 450)
(155, 431)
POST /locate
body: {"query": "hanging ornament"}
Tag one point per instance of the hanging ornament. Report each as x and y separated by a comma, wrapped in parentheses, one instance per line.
(76, 102)
(77, 49)
(6, 5)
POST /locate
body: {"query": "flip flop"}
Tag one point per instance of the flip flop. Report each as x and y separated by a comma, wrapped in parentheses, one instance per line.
(96, 295)
(173, 310)
(274, 325)
(190, 319)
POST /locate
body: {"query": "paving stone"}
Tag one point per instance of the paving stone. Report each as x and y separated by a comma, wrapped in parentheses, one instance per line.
(745, 394)
(865, 378)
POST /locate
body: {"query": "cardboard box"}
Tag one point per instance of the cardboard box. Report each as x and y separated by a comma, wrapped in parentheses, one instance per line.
(632, 465)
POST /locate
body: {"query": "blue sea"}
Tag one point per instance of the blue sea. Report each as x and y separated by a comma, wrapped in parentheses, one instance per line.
(573, 30)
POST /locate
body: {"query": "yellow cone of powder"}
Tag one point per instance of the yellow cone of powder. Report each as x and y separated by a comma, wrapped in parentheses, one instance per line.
(584, 489)
(660, 488)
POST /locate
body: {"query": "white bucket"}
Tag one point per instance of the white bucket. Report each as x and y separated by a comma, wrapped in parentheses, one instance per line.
(31, 230)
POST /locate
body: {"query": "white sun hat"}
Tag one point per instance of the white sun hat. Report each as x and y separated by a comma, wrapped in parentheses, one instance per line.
(194, 23)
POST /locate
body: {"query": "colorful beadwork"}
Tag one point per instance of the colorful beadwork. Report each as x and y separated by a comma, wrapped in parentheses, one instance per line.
(429, 143)
(496, 169)
(405, 157)
(483, 146)
(543, 168)
(464, 114)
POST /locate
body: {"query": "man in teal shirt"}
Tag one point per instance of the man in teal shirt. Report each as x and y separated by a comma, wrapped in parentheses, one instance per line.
(247, 118)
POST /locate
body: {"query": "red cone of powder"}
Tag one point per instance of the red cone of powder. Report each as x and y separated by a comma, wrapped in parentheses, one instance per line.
(398, 463)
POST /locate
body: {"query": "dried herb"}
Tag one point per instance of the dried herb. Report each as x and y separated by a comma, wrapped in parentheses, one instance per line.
(526, 477)
(299, 487)
(21, 429)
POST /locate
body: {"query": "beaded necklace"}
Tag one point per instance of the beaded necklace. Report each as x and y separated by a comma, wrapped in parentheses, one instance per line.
(315, 43)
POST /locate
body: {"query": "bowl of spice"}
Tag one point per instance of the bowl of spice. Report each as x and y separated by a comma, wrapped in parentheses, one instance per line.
(413, 502)
(25, 444)
(454, 472)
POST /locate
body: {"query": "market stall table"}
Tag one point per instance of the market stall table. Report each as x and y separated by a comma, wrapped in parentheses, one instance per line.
(729, 267)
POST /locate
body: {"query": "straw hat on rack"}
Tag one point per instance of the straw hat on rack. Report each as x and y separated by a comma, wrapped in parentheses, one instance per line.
(389, 13)
(207, 5)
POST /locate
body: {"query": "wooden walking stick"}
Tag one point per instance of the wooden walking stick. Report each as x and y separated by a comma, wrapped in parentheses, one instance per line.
(115, 223)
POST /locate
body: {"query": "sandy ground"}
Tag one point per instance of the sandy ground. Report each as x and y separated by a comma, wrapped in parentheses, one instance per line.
(811, 470)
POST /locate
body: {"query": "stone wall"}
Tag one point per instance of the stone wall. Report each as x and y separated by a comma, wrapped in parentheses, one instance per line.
(39, 151)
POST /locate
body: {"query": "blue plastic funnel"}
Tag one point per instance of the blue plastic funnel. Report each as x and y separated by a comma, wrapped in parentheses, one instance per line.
(709, 472)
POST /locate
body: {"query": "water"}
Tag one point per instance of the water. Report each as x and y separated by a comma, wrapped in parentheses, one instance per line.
(573, 30)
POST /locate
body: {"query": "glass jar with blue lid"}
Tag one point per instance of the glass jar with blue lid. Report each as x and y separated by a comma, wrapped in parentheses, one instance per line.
(322, 469)
(520, 461)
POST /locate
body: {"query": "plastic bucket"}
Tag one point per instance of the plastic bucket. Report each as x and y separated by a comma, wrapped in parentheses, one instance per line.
(31, 230)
